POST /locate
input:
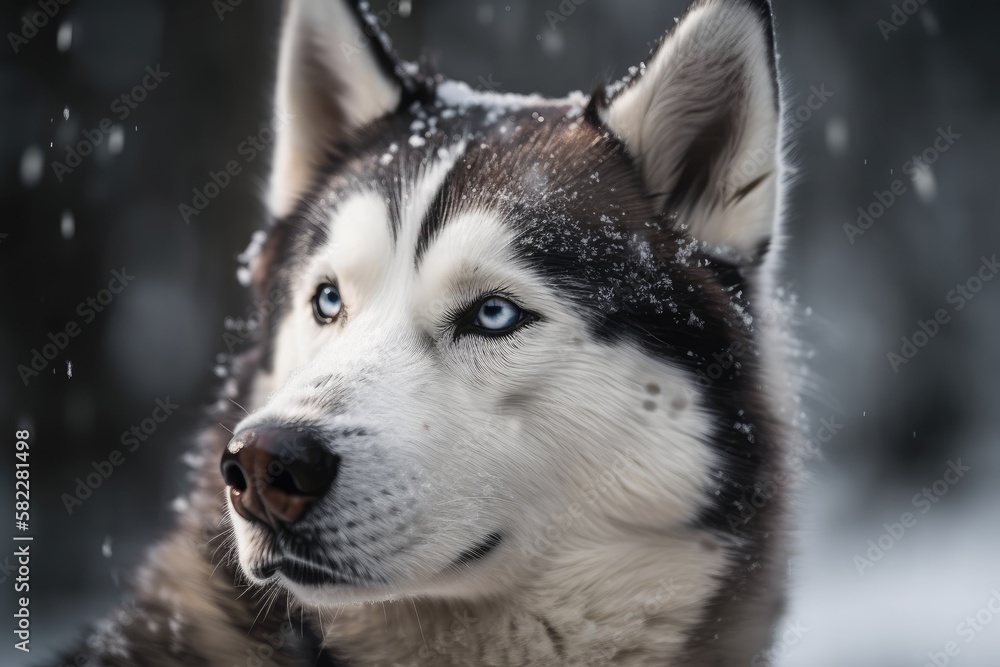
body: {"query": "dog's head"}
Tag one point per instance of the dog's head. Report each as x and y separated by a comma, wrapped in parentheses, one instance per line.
(509, 334)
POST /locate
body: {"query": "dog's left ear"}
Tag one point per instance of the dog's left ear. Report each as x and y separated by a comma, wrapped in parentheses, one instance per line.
(337, 72)
(702, 120)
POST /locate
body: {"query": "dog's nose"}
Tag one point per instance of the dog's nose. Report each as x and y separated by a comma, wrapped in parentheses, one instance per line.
(274, 475)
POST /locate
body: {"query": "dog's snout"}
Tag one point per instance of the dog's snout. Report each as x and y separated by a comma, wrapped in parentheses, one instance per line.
(275, 475)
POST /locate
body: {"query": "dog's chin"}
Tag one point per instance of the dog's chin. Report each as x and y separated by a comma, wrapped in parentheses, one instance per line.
(323, 580)
(319, 584)
(313, 584)
(335, 595)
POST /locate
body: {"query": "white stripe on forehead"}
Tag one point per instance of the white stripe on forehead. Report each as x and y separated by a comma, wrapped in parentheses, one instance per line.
(473, 246)
(418, 199)
(360, 243)
(360, 247)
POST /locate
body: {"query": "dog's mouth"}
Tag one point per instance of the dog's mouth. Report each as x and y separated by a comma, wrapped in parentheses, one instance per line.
(308, 573)
(304, 573)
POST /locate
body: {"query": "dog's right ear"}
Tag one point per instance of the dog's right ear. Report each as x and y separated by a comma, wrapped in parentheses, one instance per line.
(336, 73)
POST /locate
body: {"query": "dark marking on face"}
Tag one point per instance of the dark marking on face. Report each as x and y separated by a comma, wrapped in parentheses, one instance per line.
(434, 219)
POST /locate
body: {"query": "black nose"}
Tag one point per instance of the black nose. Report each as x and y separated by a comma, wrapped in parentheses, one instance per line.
(274, 474)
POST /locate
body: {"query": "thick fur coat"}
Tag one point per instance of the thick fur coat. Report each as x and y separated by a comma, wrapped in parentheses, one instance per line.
(539, 347)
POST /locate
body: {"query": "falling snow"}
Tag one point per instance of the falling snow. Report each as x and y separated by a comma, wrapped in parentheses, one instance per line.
(837, 135)
(64, 38)
(116, 140)
(32, 162)
(924, 182)
(248, 258)
(67, 225)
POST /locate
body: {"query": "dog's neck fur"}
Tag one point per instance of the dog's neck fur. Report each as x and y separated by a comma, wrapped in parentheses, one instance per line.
(665, 601)
(622, 605)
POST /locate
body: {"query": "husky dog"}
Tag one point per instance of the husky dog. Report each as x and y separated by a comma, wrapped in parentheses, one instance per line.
(520, 396)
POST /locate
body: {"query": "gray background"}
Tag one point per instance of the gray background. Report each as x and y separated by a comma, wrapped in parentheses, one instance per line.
(161, 336)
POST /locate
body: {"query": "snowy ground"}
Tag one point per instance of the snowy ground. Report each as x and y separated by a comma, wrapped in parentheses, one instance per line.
(910, 603)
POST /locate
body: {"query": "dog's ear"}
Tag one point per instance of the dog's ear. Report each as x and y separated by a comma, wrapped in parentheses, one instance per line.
(702, 120)
(336, 73)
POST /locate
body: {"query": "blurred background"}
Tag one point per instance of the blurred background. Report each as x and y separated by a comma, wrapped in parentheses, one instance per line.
(117, 110)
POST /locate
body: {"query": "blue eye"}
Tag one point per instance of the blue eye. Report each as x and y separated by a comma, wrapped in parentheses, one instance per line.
(498, 315)
(327, 304)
